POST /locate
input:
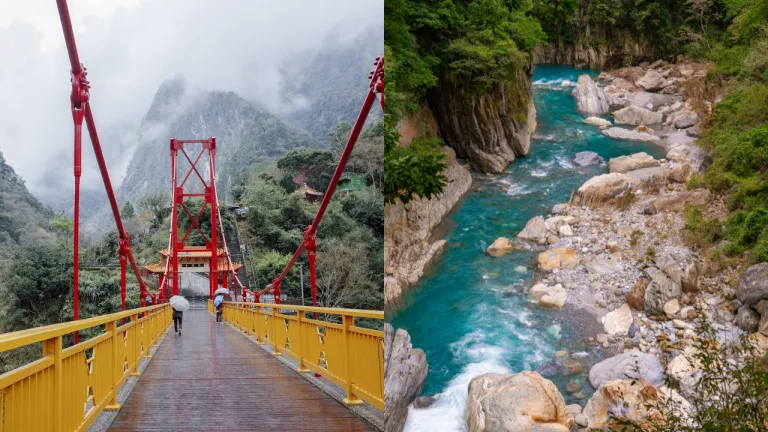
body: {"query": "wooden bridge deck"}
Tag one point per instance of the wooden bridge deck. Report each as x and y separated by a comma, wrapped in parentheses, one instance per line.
(212, 378)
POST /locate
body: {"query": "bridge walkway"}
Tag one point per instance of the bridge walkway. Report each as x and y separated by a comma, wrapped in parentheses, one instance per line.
(212, 378)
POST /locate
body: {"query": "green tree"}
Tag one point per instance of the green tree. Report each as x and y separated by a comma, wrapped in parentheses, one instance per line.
(157, 204)
(304, 165)
(126, 211)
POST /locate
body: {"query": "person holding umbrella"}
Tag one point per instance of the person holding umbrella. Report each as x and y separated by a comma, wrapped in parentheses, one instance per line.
(219, 301)
(179, 305)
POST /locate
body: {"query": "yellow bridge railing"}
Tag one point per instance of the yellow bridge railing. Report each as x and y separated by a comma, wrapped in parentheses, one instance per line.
(67, 388)
(349, 356)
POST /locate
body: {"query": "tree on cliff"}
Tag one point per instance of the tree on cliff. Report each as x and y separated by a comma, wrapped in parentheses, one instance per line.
(475, 45)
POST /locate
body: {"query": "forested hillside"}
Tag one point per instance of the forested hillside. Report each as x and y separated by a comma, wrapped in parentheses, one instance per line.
(350, 238)
(331, 88)
(23, 219)
(245, 135)
(470, 62)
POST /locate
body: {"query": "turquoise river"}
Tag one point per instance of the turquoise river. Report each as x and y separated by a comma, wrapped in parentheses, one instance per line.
(469, 313)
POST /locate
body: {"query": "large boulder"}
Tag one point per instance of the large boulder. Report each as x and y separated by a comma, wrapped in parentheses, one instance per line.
(623, 164)
(549, 297)
(524, 402)
(753, 285)
(405, 370)
(586, 158)
(591, 98)
(500, 247)
(627, 134)
(660, 290)
(645, 176)
(762, 309)
(598, 121)
(680, 172)
(625, 401)
(636, 296)
(676, 202)
(747, 319)
(682, 267)
(632, 364)
(652, 81)
(685, 370)
(558, 258)
(679, 153)
(634, 115)
(604, 187)
(685, 120)
(534, 230)
(619, 321)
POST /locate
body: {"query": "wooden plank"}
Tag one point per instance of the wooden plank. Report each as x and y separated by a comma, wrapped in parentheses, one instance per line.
(212, 378)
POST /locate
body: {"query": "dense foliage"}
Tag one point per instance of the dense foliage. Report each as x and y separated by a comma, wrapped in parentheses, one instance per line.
(600, 22)
(737, 132)
(350, 237)
(477, 44)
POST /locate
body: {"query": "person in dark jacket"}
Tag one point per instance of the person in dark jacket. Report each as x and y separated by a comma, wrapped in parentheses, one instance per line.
(219, 311)
(177, 316)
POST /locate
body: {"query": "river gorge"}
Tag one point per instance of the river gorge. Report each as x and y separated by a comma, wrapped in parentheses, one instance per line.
(470, 312)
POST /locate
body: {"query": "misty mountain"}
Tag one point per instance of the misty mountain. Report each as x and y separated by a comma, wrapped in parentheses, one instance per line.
(332, 86)
(245, 133)
(23, 219)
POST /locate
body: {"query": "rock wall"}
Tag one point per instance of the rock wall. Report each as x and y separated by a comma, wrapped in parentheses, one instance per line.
(407, 229)
(623, 51)
(489, 128)
(405, 370)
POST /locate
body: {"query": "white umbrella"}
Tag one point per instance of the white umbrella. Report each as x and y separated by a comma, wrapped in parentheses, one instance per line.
(222, 290)
(179, 303)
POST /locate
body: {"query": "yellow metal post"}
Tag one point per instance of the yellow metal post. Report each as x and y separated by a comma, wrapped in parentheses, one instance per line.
(155, 332)
(258, 316)
(52, 348)
(351, 399)
(299, 351)
(272, 338)
(136, 345)
(113, 405)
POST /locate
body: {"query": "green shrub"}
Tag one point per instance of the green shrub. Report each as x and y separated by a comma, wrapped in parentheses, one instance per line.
(731, 394)
(416, 169)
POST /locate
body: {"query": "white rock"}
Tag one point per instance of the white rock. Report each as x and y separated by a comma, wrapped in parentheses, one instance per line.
(652, 81)
(618, 321)
(565, 230)
(599, 122)
(634, 115)
(635, 161)
(626, 134)
(534, 229)
(671, 308)
(591, 98)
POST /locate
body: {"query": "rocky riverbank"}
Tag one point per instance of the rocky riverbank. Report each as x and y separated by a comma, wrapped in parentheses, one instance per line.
(618, 254)
(408, 246)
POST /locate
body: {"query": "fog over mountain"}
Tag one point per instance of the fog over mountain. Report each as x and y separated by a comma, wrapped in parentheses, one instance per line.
(269, 54)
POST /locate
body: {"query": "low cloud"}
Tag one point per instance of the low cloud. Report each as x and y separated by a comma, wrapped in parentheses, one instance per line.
(129, 48)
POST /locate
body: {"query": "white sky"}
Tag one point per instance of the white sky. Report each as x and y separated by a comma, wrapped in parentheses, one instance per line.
(131, 46)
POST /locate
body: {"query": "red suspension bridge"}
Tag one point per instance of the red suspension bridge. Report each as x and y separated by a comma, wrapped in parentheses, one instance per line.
(211, 367)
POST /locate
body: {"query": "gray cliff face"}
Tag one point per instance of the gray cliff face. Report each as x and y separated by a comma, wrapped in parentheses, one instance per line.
(489, 129)
(408, 228)
(405, 370)
(619, 53)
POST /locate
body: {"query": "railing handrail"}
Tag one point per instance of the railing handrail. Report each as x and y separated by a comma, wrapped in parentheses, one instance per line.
(17, 339)
(358, 313)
